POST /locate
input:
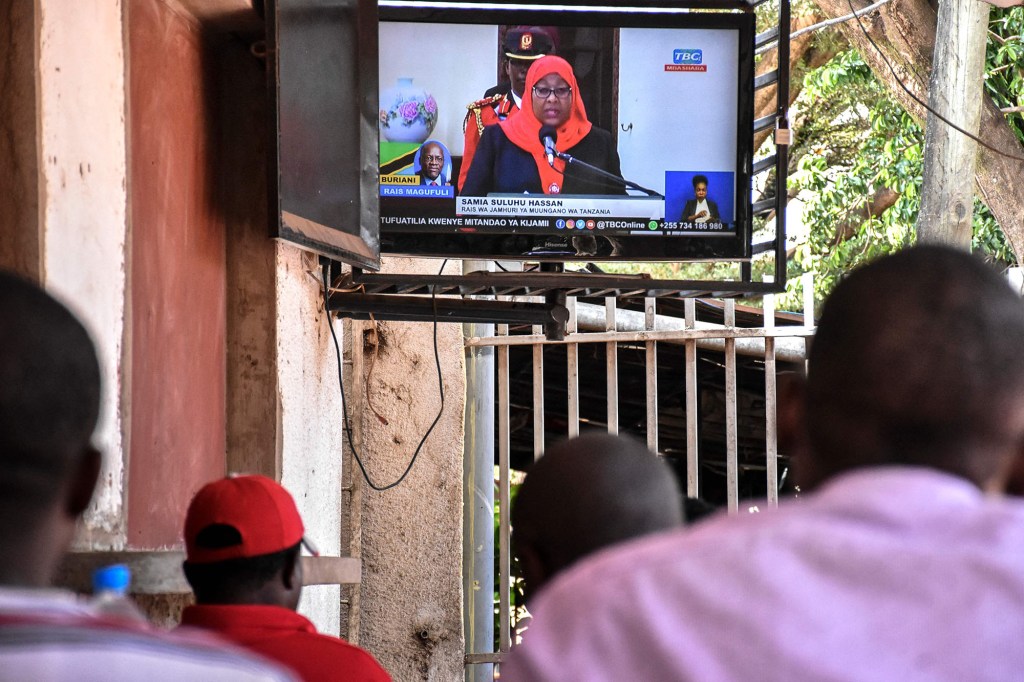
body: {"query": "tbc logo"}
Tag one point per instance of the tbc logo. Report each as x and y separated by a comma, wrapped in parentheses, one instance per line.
(680, 56)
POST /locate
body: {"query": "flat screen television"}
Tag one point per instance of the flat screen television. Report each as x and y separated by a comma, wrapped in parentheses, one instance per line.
(673, 89)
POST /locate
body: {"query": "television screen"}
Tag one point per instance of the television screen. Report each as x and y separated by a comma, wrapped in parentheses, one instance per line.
(565, 134)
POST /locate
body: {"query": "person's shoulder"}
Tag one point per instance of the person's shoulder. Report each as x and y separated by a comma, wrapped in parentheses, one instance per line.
(332, 652)
(127, 650)
(655, 557)
(616, 565)
(600, 135)
(484, 102)
(494, 134)
(499, 89)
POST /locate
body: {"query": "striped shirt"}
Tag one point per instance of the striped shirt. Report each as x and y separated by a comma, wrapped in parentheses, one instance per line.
(48, 635)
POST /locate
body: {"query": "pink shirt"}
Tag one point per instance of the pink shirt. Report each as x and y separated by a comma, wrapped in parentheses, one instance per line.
(885, 574)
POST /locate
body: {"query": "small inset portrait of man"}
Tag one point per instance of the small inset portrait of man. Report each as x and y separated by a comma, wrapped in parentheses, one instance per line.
(433, 164)
(699, 198)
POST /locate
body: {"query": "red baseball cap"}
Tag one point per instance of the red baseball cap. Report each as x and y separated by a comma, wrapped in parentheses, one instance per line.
(263, 513)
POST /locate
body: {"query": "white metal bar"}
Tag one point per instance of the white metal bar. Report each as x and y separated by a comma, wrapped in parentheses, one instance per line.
(692, 468)
(651, 367)
(538, 393)
(504, 525)
(591, 318)
(808, 285)
(643, 336)
(770, 412)
(612, 367)
(572, 362)
(731, 450)
(538, 401)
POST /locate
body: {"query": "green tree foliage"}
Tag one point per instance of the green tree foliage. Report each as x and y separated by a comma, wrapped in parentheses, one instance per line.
(1004, 63)
(854, 140)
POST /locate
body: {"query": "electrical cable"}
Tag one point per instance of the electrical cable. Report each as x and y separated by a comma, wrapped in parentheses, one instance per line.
(918, 99)
(774, 42)
(344, 402)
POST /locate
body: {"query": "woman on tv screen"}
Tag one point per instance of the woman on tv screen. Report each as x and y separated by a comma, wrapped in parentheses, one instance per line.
(512, 158)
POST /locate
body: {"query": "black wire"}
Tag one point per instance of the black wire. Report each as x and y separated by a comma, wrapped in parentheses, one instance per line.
(918, 99)
(344, 402)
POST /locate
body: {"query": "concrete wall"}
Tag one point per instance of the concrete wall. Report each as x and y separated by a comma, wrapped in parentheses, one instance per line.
(309, 418)
(83, 206)
(411, 595)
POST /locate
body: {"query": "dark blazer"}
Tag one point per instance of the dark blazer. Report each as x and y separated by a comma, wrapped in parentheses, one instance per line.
(500, 166)
(691, 208)
(441, 179)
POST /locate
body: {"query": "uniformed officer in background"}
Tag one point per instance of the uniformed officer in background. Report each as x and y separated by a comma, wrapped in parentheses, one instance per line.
(523, 45)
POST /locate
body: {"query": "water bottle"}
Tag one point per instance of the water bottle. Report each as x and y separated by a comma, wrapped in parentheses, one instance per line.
(110, 593)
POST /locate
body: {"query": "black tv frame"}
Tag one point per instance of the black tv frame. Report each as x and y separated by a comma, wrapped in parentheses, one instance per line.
(322, 90)
(632, 247)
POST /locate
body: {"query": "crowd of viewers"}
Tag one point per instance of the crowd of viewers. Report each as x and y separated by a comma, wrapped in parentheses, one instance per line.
(902, 558)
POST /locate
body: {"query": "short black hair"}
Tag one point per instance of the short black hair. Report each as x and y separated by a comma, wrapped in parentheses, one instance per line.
(49, 392)
(231, 580)
(698, 179)
(917, 361)
(590, 492)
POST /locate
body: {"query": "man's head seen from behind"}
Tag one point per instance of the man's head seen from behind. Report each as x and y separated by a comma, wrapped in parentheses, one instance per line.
(917, 362)
(49, 408)
(242, 540)
(587, 493)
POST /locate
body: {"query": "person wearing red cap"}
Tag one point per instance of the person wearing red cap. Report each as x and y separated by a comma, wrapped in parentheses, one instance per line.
(523, 45)
(242, 539)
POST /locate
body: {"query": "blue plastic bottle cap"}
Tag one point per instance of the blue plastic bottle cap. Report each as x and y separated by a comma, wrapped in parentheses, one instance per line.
(114, 578)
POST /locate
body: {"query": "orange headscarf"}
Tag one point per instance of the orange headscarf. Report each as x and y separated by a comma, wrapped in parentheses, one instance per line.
(523, 129)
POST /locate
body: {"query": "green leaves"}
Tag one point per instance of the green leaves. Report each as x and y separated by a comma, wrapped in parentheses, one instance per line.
(855, 140)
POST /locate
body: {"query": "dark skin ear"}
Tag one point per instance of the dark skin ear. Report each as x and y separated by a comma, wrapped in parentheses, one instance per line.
(291, 580)
(1013, 480)
(791, 420)
(534, 572)
(82, 483)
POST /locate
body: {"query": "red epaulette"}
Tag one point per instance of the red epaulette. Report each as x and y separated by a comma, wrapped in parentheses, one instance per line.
(474, 110)
(481, 103)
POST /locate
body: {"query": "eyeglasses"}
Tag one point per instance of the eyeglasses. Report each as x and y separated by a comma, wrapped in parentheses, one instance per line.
(543, 93)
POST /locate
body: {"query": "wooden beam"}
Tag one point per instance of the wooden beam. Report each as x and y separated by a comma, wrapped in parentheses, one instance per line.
(159, 572)
(954, 94)
(224, 16)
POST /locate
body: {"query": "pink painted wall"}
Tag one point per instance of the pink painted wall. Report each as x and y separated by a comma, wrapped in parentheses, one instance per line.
(178, 274)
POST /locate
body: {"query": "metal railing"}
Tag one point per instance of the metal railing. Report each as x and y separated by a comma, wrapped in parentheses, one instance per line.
(648, 330)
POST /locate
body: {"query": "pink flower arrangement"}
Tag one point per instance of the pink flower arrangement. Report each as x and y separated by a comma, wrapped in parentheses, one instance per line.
(412, 111)
(409, 110)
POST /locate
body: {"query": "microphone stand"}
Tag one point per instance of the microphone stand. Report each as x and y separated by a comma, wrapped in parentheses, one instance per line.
(571, 160)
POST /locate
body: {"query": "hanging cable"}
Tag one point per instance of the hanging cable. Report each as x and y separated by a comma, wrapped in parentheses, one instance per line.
(344, 402)
(918, 99)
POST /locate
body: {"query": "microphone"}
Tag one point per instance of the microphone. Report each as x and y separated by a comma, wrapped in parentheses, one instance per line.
(548, 135)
